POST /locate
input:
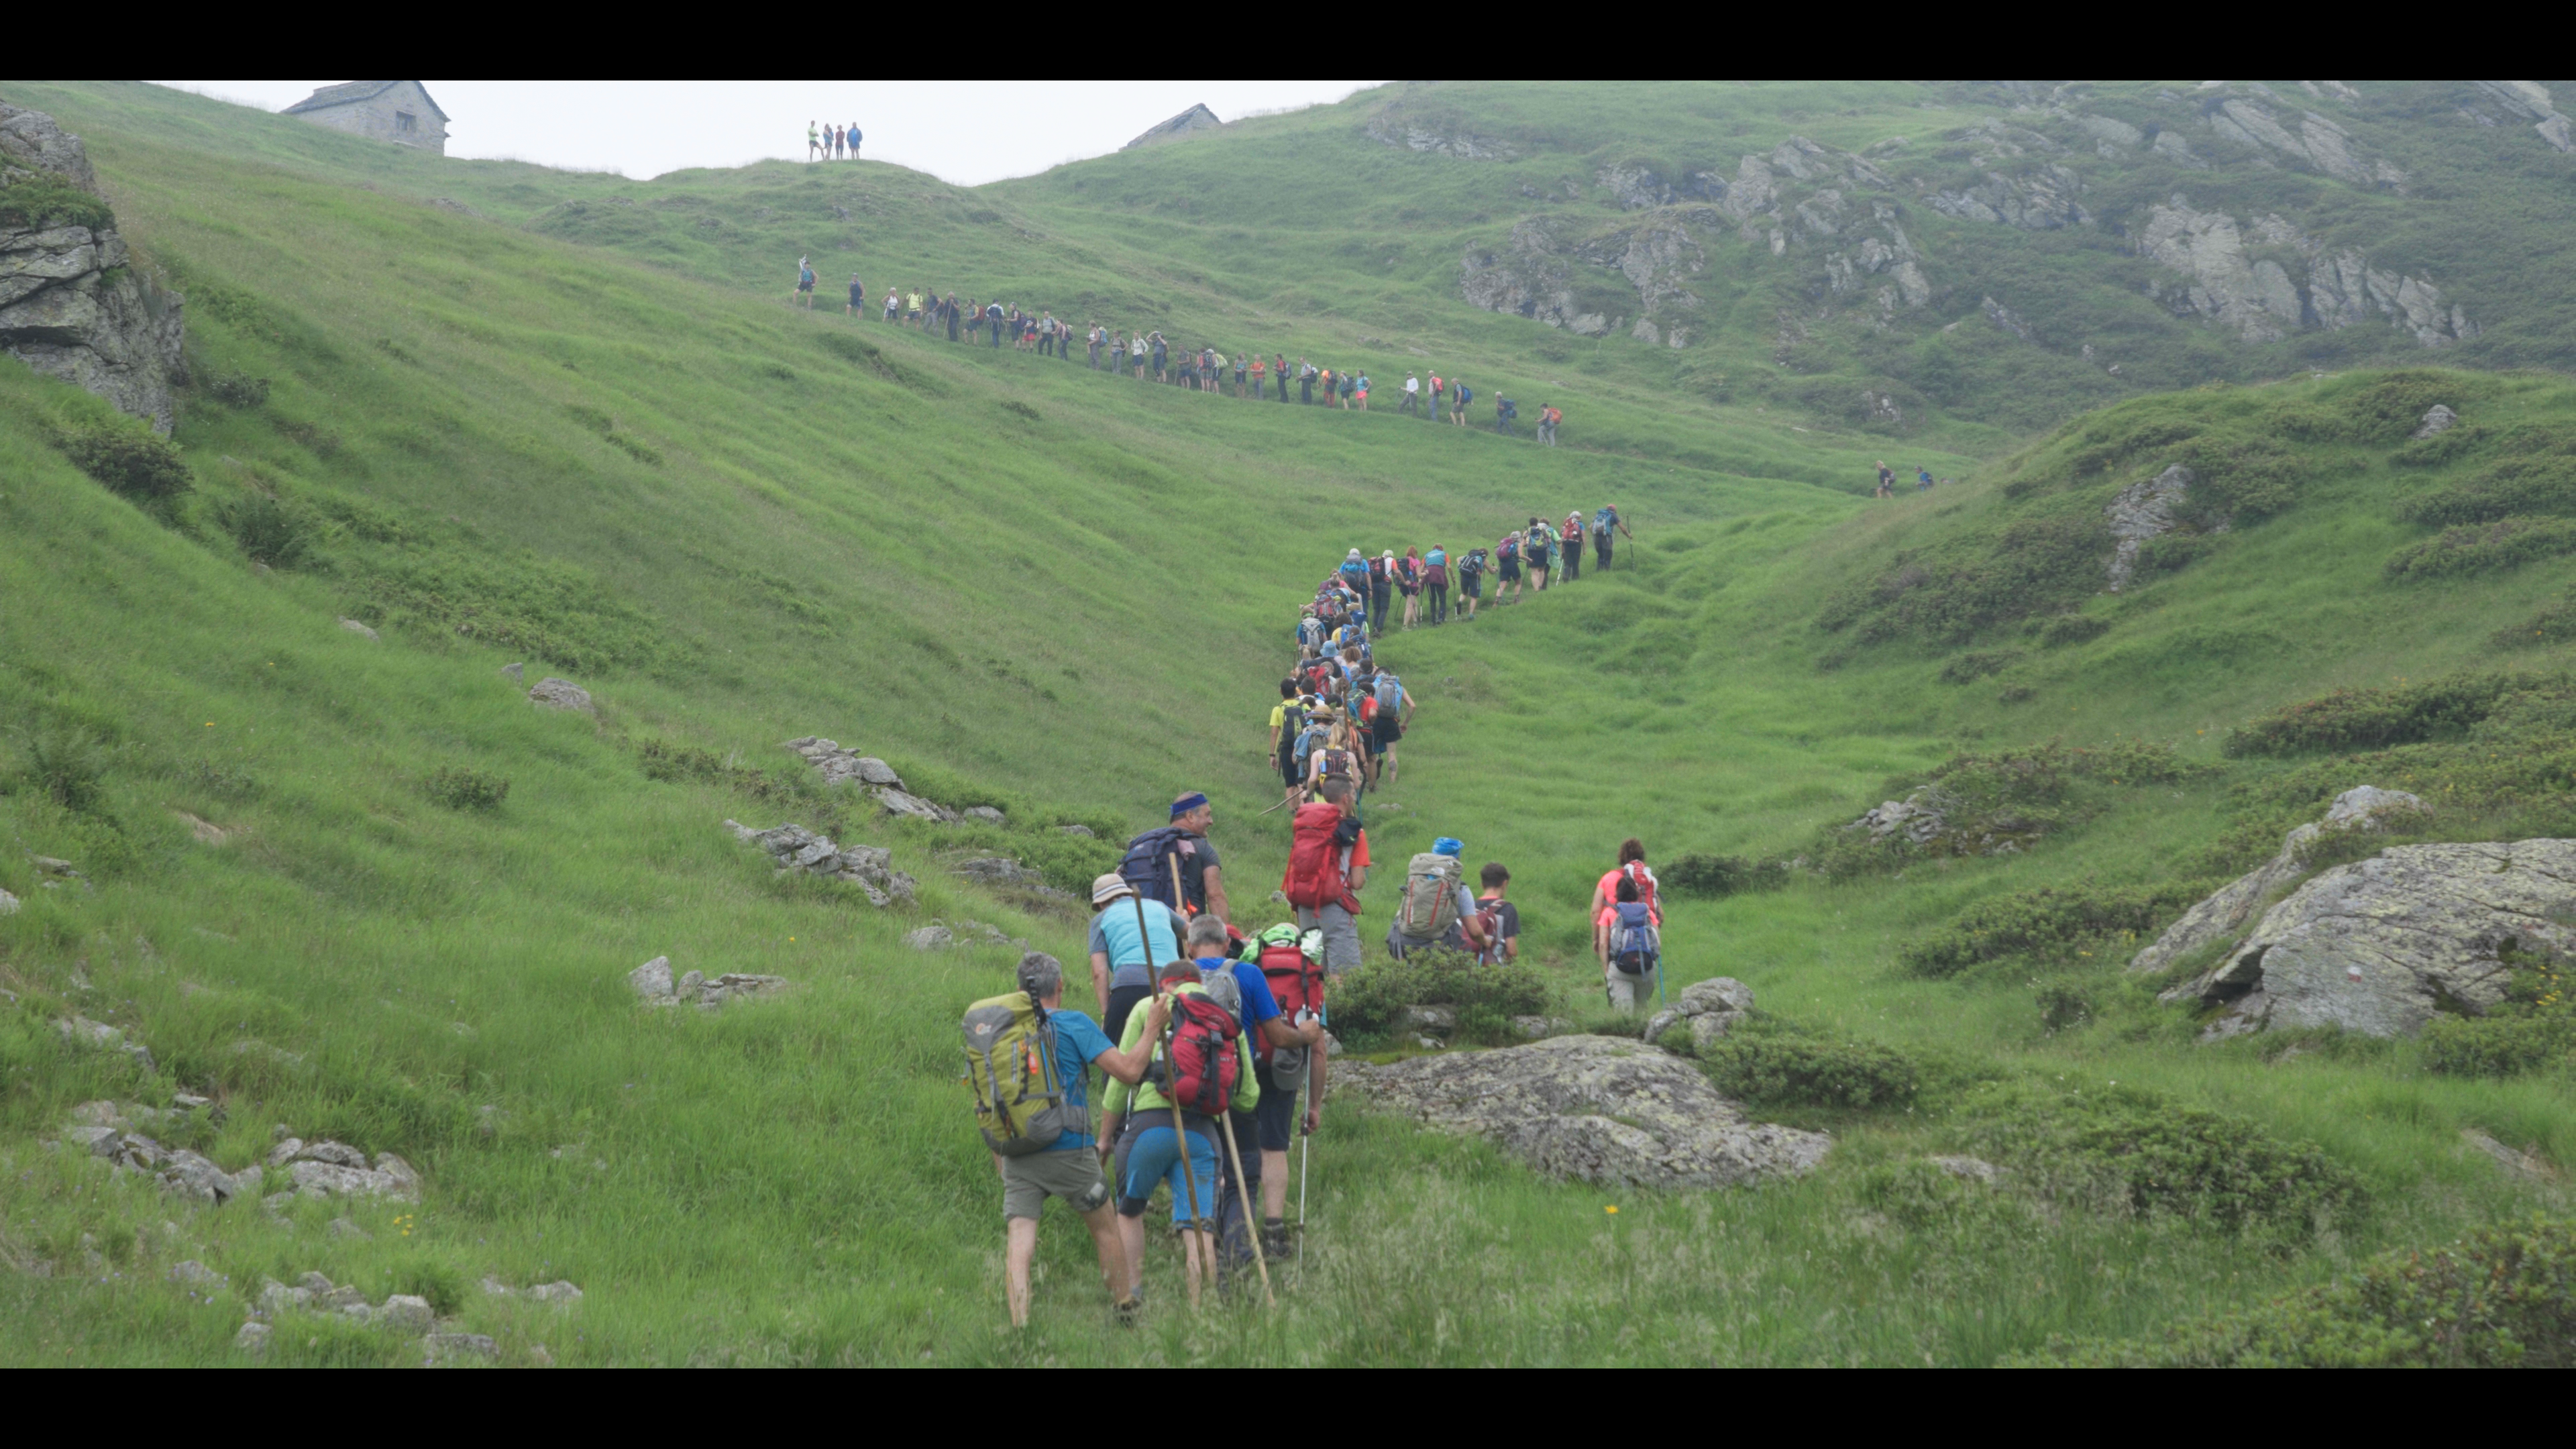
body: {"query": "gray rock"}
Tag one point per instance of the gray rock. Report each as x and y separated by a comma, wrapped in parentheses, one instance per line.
(558, 1292)
(1431, 1018)
(2438, 420)
(190, 1175)
(361, 630)
(276, 1298)
(495, 1288)
(691, 986)
(985, 813)
(1716, 994)
(252, 1339)
(185, 1100)
(552, 693)
(406, 1313)
(2140, 512)
(1079, 832)
(2528, 1165)
(998, 870)
(340, 1299)
(1712, 1027)
(195, 1272)
(912, 807)
(339, 1153)
(1536, 1027)
(840, 766)
(793, 847)
(2226, 912)
(2379, 946)
(446, 1348)
(8, 904)
(246, 1183)
(314, 1284)
(930, 938)
(96, 1141)
(652, 980)
(71, 305)
(1602, 1109)
(284, 1152)
(327, 1179)
(277, 1203)
(101, 1113)
(515, 673)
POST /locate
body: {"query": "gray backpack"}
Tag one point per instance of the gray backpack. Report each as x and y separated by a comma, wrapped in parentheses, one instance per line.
(1431, 885)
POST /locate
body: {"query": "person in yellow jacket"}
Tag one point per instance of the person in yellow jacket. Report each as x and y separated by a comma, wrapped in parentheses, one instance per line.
(1138, 1120)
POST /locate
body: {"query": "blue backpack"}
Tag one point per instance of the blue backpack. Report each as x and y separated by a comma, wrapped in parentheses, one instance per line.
(1466, 394)
(1604, 521)
(1634, 945)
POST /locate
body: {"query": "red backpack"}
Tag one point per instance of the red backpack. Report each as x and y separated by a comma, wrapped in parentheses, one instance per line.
(1295, 982)
(1205, 1067)
(1314, 877)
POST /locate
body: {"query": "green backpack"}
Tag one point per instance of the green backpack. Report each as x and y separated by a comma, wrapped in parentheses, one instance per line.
(1010, 1067)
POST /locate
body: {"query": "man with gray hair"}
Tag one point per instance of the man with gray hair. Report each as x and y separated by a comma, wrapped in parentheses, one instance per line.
(1069, 1167)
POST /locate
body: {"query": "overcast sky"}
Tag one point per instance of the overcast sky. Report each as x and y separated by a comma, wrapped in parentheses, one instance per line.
(968, 132)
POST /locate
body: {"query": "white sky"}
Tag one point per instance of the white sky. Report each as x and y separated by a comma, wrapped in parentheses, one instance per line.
(967, 132)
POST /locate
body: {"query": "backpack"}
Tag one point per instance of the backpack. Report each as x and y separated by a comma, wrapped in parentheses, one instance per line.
(1489, 925)
(1337, 764)
(1314, 878)
(1390, 694)
(1508, 408)
(1203, 1068)
(1603, 522)
(1509, 550)
(1292, 723)
(1430, 906)
(1309, 740)
(1011, 1069)
(1466, 395)
(1377, 574)
(1634, 944)
(1149, 862)
(1636, 871)
(1296, 983)
(1473, 564)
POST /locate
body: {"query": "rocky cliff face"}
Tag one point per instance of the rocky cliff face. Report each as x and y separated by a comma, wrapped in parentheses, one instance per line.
(70, 304)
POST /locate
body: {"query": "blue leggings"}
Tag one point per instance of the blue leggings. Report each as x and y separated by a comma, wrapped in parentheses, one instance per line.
(1152, 1157)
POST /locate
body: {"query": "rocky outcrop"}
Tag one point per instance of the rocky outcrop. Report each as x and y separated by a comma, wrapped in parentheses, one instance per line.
(872, 775)
(2312, 139)
(2140, 512)
(2226, 912)
(2039, 200)
(2256, 296)
(552, 693)
(1601, 1109)
(2437, 419)
(2379, 946)
(1706, 1011)
(652, 981)
(792, 847)
(1187, 123)
(2530, 101)
(71, 304)
(328, 1169)
(1438, 136)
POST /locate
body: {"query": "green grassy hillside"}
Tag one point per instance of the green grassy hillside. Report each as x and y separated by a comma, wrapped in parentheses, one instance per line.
(1030, 585)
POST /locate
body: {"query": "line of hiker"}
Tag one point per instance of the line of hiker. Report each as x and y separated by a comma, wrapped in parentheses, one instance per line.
(831, 143)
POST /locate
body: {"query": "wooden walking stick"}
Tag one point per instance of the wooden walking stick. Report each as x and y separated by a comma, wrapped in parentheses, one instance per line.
(1171, 1088)
(1243, 1193)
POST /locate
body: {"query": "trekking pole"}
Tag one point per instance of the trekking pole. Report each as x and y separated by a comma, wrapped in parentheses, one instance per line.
(1305, 1159)
(1251, 1229)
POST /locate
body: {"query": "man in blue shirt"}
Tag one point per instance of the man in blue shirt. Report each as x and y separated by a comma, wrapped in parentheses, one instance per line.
(1069, 1168)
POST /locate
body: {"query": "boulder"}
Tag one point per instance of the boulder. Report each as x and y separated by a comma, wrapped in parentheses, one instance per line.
(446, 1348)
(252, 1339)
(330, 1179)
(2379, 946)
(276, 1298)
(1974, 1169)
(912, 807)
(195, 1272)
(406, 1313)
(559, 1292)
(81, 1031)
(1708, 1010)
(1602, 1109)
(192, 1176)
(735, 985)
(985, 813)
(793, 847)
(8, 904)
(2140, 512)
(361, 630)
(1079, 832)
(337, 1153)
(2225, 914)
(515, 673)
(930, 938)
(652, 980)
(553, 693)
(1536, 1027)
(2437, 420)
(840, 766)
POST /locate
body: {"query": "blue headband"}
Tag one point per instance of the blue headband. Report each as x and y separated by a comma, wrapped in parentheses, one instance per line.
(1186, 804)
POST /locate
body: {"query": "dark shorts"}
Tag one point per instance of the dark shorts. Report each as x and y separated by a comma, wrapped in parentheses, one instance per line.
(804, 286)
(1511, 571)
(1276, 1112)
(1384, 732)
(1122, 1000)
(1471, 585)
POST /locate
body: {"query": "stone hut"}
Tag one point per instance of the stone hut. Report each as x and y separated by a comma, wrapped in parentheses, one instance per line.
(1196, 118)
(396, 111)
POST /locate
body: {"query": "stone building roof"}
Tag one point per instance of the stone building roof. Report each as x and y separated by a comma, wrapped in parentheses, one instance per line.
(351, 92)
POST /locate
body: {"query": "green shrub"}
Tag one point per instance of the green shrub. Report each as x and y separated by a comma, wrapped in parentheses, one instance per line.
(2240, 480)
(1988, 801)
(1370, 1000)
(1977, 664)
(237, 389)
(131, 460)
(2065, 629)
(2553, 625)
(2445, 447)
(2484, 548)
(2050, 922)
(1803, 1071)
(2172, 552)
(1947, 596)
(2504, 1297)
(65, 763)
(268, 531)
(1696, 874)
(2532, 1029)
(40, 200)
(549, 608)
(2127, 1151)
(2351, 719)
(2063, 1006)
(2388, 410)
(2516, 487)
(459, 788)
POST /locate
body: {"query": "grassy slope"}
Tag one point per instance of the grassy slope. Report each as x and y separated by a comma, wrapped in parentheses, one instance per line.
(783, 1183)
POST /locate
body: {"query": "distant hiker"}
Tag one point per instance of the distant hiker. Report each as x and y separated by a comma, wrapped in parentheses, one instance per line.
(1205, 1062)
(1412, 400)
(1507, 564)
(1604, 524)
(1305, 383)
(912, 306)
(1437, 909)
(1548, 417)
(1327, 868)
(994, 317)
(1162, 358)
(1408, 582)
(1459, 396)
(1260, 374)
(1571, 537)
(1432, 409)
(1338, 756)
(1538, 551)
(1632, 868)
(1886, 480)
(949, 313)
(1291, 962)
(1499, 918)
(1387, 724)
(1381, 590)
(1362, 394)
(1435, 583)
(833, 141)
(1350, 384)
(1504, 411)
(1630, 946)
(805, 282)
(1034, 1025)
(813, 141)
(854, 140)
(1118, 353)
(894, 304)
(1129, 934)
(1246, 365)
(1279, 373)
(858, 295)
(1287, 722)
(1471, 581)
(1922, 479)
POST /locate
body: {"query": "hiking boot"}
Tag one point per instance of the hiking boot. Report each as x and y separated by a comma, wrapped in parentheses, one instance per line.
(1279, 1244)
(1128, 1310)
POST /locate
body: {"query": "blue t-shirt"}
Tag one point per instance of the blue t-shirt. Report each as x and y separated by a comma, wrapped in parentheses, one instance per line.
(1258, 1004)
(1078, 1041)
(1114, 934)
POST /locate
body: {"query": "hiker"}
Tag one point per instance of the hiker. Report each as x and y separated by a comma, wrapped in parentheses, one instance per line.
(805, 283)
(1046, 335)
(1412, 402)
(1337, 758)
(1886, 480)
(1260, 373)
(1630, 945)
(1471, 581)
(854, 140)
(1538, 547)
(1327, 868)
(1394, 712)
(1459, 396)
(1632, 868)
(1287, 722)
(1068, 1167)
(1242, 363)
(1507, 561)
(1291, 963)
(1129, 935)
(1605, 523)
(1548, 417)
(1181, 846)
(1571, 536)
(1350, 383)
(1363, 391)
(1432, 411)
(993, 319)
(1118, 354)
(893, 305)
(1922, 479)
(1408, 580)
(1437, 909)
(948, 311)
(813, 140)
(1266, 1025)
(858, 295)
(1435, 583)
(1205, 1062)
(1279, 373)
(1501, 919)
(1381, 587)
(1162, 358)
(1504, 411)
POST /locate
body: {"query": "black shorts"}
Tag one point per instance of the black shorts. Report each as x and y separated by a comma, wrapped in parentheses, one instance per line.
(1276, 1112)
(1123, 1000)
(1511, 571)
(1471, 585)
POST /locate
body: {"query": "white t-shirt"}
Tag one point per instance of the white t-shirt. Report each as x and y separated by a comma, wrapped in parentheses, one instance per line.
(1413, 384)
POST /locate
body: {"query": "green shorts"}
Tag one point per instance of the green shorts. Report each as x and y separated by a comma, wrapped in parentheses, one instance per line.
(1072, 1174)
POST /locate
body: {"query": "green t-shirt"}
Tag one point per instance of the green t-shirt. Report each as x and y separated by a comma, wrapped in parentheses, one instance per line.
(1145, 1097)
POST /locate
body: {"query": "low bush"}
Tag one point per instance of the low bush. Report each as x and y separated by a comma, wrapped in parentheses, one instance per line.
(1370, 1000)
(2063, 629)
(2525, 487)
(41, 200)
(1696, 874)
(459, 788)
(267, 530)
(2388, 410)
(2239, 480)
(549, 608)
(2532, 1029)
(2172, 552)
(2443, 448)
(1986, 802)
(2484, 548)
(131, 460)
(237, 389)
(2050, 922)
(2350, 719)
(64, 763)
(1978, 664)
(2503, 1297)
(2032, 566)
(2063, 1006)
(1807, 1072)
(2555, 624)
(2128, 1151)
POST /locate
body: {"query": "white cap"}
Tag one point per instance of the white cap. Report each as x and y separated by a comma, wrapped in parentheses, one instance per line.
(1355, 553)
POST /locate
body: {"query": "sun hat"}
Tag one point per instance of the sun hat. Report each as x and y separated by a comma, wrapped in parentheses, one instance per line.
(1110, 887)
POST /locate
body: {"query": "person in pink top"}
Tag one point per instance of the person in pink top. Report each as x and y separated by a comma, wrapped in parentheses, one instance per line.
(1632, 864)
